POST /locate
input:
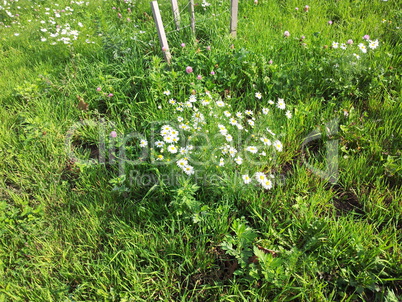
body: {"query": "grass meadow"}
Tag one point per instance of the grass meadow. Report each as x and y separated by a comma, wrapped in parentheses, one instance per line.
(265, 167)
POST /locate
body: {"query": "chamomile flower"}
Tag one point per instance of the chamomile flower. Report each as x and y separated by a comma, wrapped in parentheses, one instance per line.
(233, 121)
(228, 137)
(258, 95)
(246, 179)
(180, 109)
(168, 139)
(232, 151)
(239, 115)
(172, 149)
(166, 92)
(267, 184)
(180, 119)
(281, 104)
(172, 101)
(250, 122)
(343, 46)
(271, 102)
(192, 98)
(159, 144)
(182, 163)
(159, 157)
(189, 170)
(362, 47)
(266, 141)
(227, 113)
(143, 143)
(220, 103)
(335, 45)
(265, 111)
(238, 160)
(248, 112)
(373, 44)
(260, 177)
(221, 162)
(252, 149)
(278, 145)
(205, 102)
(288, 114)
(222, 129)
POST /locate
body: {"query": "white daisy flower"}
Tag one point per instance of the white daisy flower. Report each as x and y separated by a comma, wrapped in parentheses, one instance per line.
(252, 149)
(267, 184)
(265, 111)
(266, 141)
(288, 114)
(220, 103)
(278, 145)
(172, 149)
(258, 95)
(281, 104)
(166, 92)
(246, 179)
(238, 160)
(143, 143)
(189, 170)
(159, 144)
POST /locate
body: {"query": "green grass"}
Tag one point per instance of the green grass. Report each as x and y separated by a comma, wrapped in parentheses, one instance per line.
(72, 229)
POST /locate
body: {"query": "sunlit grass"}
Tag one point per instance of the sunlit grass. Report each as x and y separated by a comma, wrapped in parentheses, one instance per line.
(72, 228)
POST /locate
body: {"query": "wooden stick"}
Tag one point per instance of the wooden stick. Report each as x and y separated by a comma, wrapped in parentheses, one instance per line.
(233, 17)
(161, 31)
(176, 13)
(192, 14)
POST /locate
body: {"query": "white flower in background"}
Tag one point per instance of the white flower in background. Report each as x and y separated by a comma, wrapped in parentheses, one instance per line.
(258, 95)
(205, 102)
(271, 102)
(232, 121)
(278, 145)
(239, 114)
(159, 144)
(220, 103)
(238, 160)
(232, 151)
(192, 98)
(228, 137)
(373, 44)
(172, 149)
(222, 129)
(252, 149)
(343, 46)
(221, 162)
(265, 111)
(260, 177)
(246, 179)
(172, 101)
(335, 45)
(166, 92)
(189, 170)
(281, 104)
(180, 119)
(159, 157)
(267, 184)
(266, 141)
(143, 143)
(362, 47)
(227, 113)
(356, 56)
(182, 163)
(288, 114)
